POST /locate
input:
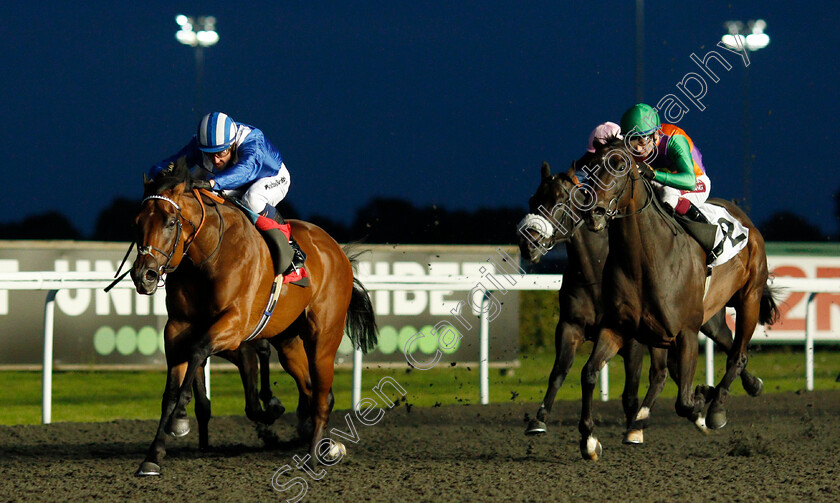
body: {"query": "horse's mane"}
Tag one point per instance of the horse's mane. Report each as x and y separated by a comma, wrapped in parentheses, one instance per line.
(176, 173)
(563, 176)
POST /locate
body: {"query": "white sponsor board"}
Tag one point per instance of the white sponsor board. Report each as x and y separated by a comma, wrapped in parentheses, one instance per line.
(791, 324)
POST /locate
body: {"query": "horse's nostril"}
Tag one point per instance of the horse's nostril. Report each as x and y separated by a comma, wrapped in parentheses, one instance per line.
(599, 211)
(150, 276)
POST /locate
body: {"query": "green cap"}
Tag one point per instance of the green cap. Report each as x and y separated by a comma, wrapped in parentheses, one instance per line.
(642, 117)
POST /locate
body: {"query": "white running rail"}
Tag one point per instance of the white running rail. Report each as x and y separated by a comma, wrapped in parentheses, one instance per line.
(51, 282)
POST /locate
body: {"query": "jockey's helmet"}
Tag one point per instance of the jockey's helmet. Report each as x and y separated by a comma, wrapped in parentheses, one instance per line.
(216, 132)
(641, 117)
(602, 134)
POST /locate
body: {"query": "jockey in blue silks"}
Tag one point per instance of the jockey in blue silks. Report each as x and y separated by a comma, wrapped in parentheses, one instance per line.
(239, 161)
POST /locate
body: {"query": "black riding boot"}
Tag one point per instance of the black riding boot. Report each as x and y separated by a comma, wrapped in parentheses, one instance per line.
(693, 213)
(299, 257)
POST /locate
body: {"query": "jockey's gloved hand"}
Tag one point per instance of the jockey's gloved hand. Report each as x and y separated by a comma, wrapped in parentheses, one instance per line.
(201, 184)
(647, 173)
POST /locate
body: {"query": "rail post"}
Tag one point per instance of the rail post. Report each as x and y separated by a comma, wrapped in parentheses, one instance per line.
(46, 377)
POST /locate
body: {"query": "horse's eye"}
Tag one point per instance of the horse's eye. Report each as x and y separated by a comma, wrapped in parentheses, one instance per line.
(170, 224)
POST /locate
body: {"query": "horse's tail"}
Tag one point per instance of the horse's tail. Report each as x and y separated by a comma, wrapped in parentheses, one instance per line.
(768, 311)
(361, 322)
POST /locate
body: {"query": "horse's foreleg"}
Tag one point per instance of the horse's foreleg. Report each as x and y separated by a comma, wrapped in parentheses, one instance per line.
(157, 451)
(176, 399)
(717, 330)
(606, 346)
(682, 364)
(632, 355)
(657, 377)
(567, 338)
(202, 408)
(179, 424)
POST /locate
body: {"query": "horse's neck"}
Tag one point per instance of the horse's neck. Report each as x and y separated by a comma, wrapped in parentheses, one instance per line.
(587, 251)
(645, 239)
(216, 234)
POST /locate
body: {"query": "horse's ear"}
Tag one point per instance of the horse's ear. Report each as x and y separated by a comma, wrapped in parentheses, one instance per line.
(545, 170)
(146, 179)
(572, 173)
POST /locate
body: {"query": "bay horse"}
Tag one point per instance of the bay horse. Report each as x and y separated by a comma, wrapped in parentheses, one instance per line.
(219, 273)
(553, 219)
(252, 360)
(654, 289)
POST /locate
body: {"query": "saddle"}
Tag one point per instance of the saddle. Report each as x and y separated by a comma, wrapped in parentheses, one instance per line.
(704, 234)
(726, 235)
(277, 236)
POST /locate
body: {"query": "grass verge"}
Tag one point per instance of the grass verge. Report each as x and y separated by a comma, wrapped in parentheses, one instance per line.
(105, 396)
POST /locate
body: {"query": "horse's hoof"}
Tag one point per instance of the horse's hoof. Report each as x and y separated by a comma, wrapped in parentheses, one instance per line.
(178, 427)
(700, 423)
(336, 452)
(753, 386)
(275, 408)
(147, 469)
(535, 427)
(716, 416)
(634, 437)
(591, 449)
(716, 420)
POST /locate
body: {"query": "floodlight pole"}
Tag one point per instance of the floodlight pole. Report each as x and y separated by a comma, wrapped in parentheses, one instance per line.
(747, 38)
(197, 33)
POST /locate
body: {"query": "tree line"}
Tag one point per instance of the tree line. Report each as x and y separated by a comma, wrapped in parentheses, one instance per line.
(381, 221)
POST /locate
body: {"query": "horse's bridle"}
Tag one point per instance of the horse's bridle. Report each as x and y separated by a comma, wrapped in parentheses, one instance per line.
(531, 219)
(612, 205)
(166, 268)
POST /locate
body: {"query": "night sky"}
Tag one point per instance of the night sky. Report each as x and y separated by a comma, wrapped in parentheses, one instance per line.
(449, 103)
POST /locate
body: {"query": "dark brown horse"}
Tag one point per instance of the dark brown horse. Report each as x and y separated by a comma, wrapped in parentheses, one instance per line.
(219, 275)
(554, 219)
(654, 289)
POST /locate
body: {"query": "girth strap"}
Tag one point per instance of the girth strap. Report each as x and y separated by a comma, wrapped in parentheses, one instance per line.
(269, 309)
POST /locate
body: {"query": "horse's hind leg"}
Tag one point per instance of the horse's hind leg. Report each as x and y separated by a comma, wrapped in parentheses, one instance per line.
(321, 346)
(273, 406)
(746, 318)
(657, 376)
(607, 345)
(567, 339)
(717, 330)
(292, 356)
(245, 360)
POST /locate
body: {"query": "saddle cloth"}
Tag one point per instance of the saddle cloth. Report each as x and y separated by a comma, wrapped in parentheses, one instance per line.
(730, 231)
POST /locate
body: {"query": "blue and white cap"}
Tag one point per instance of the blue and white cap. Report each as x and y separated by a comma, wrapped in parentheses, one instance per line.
(216, 132)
